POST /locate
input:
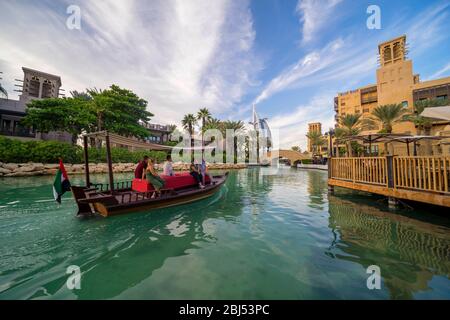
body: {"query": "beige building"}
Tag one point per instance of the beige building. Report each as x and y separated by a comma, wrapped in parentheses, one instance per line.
(35, 85)
(396, 84)
(321, 150)
(313, 127)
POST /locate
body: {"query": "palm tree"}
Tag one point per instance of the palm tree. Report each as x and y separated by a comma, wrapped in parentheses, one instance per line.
(386, 115)
(188, 122)
(3, 91)
(296, 148)
(204, 115)
(349, 125)
(98, 106)
(316, 139)
(238, 128)
(213, 123)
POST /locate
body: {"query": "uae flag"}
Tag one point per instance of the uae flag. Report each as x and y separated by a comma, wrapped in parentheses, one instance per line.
(61, 183)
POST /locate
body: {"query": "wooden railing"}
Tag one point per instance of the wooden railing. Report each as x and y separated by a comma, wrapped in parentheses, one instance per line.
(117, 185)
(430, 174)
(422, 173)
(372, 170)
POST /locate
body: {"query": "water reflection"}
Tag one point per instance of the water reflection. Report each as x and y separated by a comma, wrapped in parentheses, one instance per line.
(368, 235)
(118, 252)
(317, 187)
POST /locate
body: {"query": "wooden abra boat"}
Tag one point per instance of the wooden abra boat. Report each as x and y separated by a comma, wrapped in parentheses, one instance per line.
(124, 197)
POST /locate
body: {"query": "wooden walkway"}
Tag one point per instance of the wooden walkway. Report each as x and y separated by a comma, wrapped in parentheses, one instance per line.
(423, 179)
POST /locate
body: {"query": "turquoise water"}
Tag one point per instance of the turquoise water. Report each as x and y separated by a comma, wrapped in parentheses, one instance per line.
(268, 234)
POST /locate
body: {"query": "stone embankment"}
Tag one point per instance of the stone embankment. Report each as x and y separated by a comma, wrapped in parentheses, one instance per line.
(38, 169)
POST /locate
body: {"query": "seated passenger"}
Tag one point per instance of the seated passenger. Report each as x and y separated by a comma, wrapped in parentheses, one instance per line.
(153, 177)
(168, 169)
(204, 172)
(139, 172)
(194, 172)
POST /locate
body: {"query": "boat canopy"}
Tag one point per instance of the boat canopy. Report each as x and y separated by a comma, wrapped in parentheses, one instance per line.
(126, 141)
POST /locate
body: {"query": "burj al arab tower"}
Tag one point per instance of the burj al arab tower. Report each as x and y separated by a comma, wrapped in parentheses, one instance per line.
(261, 126)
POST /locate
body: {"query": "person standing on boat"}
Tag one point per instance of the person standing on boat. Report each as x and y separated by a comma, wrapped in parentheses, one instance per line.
(139, 172)
(153, 177)
(168, 169)
(194, 172)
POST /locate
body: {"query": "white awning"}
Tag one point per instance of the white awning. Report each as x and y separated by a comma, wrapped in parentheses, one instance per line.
(437, 113)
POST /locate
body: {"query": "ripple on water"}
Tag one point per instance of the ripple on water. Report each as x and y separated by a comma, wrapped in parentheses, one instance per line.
(268, 234)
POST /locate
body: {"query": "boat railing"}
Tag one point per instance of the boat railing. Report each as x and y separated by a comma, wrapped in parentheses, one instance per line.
(133, 196)
(117, 186)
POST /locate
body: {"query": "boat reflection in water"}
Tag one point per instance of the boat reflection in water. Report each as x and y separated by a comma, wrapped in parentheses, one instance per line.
(170, 233)
(369, 235)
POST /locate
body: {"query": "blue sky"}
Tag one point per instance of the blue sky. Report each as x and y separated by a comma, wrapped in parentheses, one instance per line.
(290, 57)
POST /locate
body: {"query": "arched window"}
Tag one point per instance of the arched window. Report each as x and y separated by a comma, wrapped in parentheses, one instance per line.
(47, 89)
(33, 88)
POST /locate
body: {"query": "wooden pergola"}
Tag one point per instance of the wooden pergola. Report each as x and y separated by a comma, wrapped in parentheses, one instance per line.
(371, 138)
(391, 137)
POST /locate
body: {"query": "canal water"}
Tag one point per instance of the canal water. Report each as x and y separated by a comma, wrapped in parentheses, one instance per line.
(268, 234)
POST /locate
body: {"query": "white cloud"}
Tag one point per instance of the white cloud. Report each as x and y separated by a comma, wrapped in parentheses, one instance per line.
(429, 28)
(179, 55)
(305, 67)
(341, 65)
(292, 127)
(440, 72)
(314, 14)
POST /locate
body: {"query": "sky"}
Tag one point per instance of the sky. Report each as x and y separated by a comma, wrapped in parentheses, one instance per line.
(289, 57)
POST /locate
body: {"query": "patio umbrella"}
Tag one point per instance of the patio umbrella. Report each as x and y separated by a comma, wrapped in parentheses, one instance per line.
(437, 113)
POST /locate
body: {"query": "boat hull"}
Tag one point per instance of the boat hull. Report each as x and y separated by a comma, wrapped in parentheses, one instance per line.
(149, 204)
(127, 201)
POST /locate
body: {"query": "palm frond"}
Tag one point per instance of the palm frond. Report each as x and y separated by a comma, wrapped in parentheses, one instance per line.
(3, 91)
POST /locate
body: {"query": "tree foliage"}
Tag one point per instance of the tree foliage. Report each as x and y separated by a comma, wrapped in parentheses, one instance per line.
(117, 110)
(385, 116)
(424, 123)
(17, 151)
(316, 140)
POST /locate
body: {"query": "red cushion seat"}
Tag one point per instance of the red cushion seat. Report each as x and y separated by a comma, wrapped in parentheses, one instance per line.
(179, 181)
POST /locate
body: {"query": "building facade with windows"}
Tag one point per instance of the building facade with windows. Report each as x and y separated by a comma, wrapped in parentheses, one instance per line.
(323, 149)
(396, 83)
(313, 127)
(35, 85)
(158, 133)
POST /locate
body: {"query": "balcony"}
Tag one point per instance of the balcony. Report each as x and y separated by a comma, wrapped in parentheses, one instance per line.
(369, 100)
(18, 132)
(157, 127)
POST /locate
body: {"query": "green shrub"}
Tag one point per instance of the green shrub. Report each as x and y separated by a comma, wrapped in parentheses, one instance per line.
(124, 155)
(50, 151)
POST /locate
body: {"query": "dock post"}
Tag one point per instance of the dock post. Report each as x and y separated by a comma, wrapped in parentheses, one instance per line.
(392, 202)
(330, 166)
(390, 171)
